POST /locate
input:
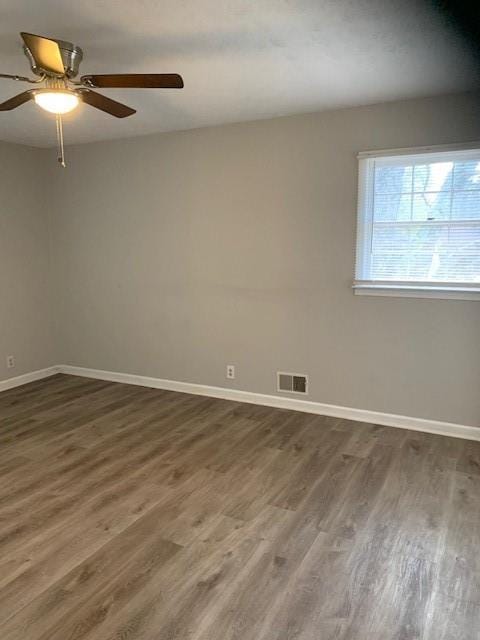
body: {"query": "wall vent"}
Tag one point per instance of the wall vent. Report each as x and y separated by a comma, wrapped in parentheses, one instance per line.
(292, 382)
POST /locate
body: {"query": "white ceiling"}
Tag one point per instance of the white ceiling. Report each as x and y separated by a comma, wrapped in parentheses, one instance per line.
(241, 60)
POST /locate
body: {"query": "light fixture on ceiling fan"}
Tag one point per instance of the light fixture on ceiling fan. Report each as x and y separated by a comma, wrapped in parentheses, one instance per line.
(57, 62)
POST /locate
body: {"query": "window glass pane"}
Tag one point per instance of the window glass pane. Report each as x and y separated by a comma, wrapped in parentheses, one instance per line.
(436, 176)
(392, 207)
(457, 267)
(467, 175)
(436, 267)
(426, 220)
(389, 266)
(390, 239)
(466, 205)
(431, 206)
(464, 239)
(428, 238)
(409, 266)
(422, 266)
(393, 179)
(415, 237)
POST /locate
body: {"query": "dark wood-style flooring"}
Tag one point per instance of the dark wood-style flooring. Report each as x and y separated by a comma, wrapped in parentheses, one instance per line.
(129, 513)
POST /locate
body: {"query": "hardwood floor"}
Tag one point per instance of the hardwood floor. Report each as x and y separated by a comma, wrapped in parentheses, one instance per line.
(129, 513)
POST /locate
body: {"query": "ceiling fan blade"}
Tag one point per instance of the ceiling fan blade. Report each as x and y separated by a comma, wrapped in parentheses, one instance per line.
(45, 52)
(134, 81)
(9, 76)
(16, 101)
(103, 103)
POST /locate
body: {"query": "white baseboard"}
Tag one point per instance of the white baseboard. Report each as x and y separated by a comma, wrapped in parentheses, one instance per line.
(18, 381)
(280, 402)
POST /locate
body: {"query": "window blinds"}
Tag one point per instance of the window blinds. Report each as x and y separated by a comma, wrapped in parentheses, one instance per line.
(419, 218)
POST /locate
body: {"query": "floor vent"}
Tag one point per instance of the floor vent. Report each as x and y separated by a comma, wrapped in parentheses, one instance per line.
(292, 382)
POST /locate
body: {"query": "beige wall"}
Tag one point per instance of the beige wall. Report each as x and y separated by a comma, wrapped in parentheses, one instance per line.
(179, 253)
(25, 300)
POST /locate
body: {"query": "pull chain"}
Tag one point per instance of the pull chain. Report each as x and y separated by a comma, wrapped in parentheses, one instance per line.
(61, 151)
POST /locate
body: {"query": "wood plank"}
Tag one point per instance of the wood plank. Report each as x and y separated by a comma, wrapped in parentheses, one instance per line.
(135, 513)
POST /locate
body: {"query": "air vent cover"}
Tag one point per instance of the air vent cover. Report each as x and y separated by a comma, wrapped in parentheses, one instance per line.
(292, 382)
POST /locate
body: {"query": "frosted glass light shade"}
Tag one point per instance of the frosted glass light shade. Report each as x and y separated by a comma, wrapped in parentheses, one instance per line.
(58, 102)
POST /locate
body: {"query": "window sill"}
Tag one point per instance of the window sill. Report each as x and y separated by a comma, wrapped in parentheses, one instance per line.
(417, 291)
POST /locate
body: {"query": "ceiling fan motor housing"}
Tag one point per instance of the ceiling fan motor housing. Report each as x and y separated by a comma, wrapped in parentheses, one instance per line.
(71, 57)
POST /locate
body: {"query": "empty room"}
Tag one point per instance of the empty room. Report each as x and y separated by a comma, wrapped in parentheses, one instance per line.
(239, 320)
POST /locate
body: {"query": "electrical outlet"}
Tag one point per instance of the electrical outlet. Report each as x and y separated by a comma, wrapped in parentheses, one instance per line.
(10, 362)
(230, 371)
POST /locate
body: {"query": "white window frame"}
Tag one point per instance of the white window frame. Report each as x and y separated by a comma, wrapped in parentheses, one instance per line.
(402, 288)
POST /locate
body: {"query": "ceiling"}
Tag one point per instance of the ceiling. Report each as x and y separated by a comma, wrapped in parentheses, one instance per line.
(241, 60)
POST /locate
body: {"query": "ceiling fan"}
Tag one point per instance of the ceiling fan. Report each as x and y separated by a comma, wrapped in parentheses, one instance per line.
(56, 63)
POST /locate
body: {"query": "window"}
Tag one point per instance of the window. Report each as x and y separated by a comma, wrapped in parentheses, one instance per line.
(419, 224)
